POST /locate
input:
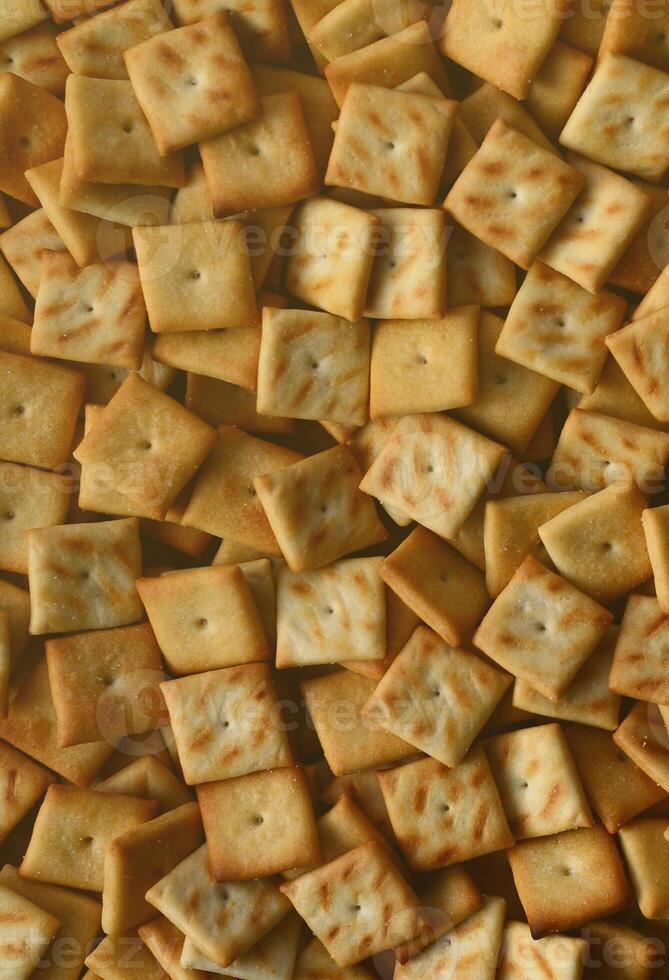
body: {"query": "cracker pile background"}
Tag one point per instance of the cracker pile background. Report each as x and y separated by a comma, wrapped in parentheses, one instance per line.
(334, 525)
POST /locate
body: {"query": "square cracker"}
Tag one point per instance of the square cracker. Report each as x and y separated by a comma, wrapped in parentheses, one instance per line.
(643, 737)
(601, 223)
(72, 831)
(356, 24)
(261, 25)
(357, 905)
(647, 855)
(109, 137)
(331, 256)
(227, 723)
(221, 403)
(95, 45)
(502, 43)
(566, 879)
(147, 447)
(346, 826)
(32, 131)
(192, 83)
(224, 501)
(79, 917)
(350, 742)
(557, 328)
(587, 700)
(487, 103)
(616, 788)
(271, 958)
(204, 618)
(557, 957)
(470, 951)
(433, 469)
(228, 355)
(22, 783)
(538, 782)
(639, 660)
(557, 87)
(259, 824)
(316, 510)
(224, 919)
(621, 118)
(655, 523)
(31, 727)
(95, 314)
(331, 614)
(444, 816)
(18, 16)
(389, 62)
(196, 276)
(141, 856)
(122, 957)
(640, 350)
(26, 932)
(436, 697)
(34, 55)
(598, 544)
(542, 629)
(638, 268)
(391, 143)
(313, 366)
(104, 684)
(511, 400)
(28, 498)
(408, 279)
(246, 167)
(513, 193)
(476, 273)
(595, 450)
(149, 779)
(629, 30)
(23, 244)
(166, 943)
(442, 588)
(82, 576)
(39, 403)
(12, 303)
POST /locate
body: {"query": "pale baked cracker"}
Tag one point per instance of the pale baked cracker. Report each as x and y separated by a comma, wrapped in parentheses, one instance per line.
(12, 303)
(628, 31)
(316, 510)
(26, 932)
(31, 727)
(391, 143)
(261, 25)
(614, 395)
(444, 589)
(259, 824)
(204, 618)
(444, 816)
(616, 788)
(228, 355)
(643, 737)
(245, 167)
(538, 782)
(638, 269)
(331, 257)
(32, 131)
(542, 629)
(18, 16)
(644, 846)
(640, 350)
(355, 24)
(357, 905)
(223, 920)
(569, 878)
(595, 450)
(513, 193)
(557, 328)
(14, 336)
(408, 279)
(28, 498)
(135, 860)
(349, 741)
(424, 365)
(149, 779)
(271, 958)
(487, 103)
(389, 61)
(95, 314)
(366, 443)
(600, 225)
(557, 87)
(500, 42)
(227, 723)
(79, 917)
(109, 137)
(655, 299)
(476, 273)
(433, 469)
(656, 530)
(221, 403)
(22, 784)
(557, 957)
(584, 28)
(313, 366)
(587, 700)
(71, 832)
(436, 697)
(196, 276)
(345, 827)
(638, 669)
(40, 402)
(104, 684)
(65, 10)
(619, 119)
(82, 576)
(315, 963)
(331, 614)
(364, 787)
(22, 246)
(34, 55)
(400, 624)
(166, 943)
(224, 501)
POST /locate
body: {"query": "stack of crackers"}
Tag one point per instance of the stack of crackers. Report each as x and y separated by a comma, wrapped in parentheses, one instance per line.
(334, 524)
